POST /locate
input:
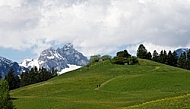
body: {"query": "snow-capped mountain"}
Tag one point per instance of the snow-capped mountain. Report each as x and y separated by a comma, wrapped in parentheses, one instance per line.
(29, 63)
(181, 50)
(50, 58)
(59, 58)
(73, 56)
(6, 64)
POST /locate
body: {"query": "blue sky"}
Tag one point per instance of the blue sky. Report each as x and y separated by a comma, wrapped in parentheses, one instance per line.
(94, 26)
(16, 55)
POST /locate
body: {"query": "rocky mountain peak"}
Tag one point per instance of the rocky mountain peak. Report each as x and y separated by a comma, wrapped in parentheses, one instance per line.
(59, 58)
(68, 46)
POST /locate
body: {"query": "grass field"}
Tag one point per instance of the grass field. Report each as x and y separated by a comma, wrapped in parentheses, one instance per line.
(145, 86)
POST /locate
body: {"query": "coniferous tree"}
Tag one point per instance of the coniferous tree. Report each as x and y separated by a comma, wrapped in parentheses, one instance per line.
(170, 58)
(5, 102)
(182, 60)
(149, 56)
(35, 76)
(163, 57)
(175, 58)
(24, 79)
(13, 81)
(142, 52)
(188, 60)
(155, 56)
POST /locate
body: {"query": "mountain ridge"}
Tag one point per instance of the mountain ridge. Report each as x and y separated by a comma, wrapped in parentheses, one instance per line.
(58, 59)
(6, 64)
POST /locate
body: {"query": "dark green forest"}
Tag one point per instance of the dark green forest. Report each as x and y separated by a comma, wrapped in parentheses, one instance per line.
(34, 75)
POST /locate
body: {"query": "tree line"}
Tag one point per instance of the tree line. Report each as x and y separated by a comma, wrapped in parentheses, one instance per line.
(121, 58)
(34, 75)
(170, 58)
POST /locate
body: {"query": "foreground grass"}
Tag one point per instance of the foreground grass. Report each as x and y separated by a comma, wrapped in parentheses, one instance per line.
(143, 86)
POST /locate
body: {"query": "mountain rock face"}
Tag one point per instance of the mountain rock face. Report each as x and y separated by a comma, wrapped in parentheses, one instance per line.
(181, 50)
(50, 58)
(73, 56)
(59, 58)
(6, 64)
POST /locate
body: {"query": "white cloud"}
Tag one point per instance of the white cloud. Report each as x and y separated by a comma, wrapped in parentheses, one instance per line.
(94, 26)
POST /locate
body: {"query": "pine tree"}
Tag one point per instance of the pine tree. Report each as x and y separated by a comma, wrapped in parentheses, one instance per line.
(5, 102)
(24, 79)
(170, 58)
(163, 57)
(155, 56)
(188, 60)
(149, 56)
(142, 52)
(182, 60)
(13, 81)
(175, 58)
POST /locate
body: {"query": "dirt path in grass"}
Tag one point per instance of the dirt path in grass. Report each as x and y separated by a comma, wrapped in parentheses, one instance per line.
(156, 68)
(106, 82)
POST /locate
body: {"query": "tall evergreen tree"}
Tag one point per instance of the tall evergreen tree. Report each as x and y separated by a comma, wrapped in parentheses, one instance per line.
(163, 57)
(149, 56)
(182, 60)
(13, 81)
(188, 60)
(175, 58)
(155, 56)
(5, 102)
(24, 79)
(170, 58)
(142, 52)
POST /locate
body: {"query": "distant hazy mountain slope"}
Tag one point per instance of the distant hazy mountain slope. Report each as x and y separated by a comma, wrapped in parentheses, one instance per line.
(181, 50)
(6, 64)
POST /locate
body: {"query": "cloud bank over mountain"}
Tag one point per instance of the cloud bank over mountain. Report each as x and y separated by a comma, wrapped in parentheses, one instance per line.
(94, 26)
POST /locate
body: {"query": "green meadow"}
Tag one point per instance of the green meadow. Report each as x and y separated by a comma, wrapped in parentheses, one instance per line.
(144, 86)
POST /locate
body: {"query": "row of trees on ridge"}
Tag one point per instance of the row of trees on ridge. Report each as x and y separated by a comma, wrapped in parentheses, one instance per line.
(170, 58)
(122, 57)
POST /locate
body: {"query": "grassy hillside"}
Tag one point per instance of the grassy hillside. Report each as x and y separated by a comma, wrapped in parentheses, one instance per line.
(144, 86)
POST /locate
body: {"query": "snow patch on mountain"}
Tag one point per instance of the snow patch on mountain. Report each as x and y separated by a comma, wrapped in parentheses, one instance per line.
(30, 63)
(70, 68)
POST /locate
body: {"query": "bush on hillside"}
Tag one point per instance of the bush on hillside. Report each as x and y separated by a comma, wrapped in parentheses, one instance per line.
(124, 58)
